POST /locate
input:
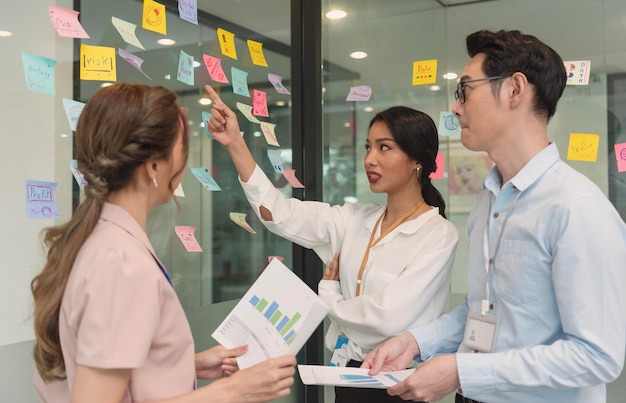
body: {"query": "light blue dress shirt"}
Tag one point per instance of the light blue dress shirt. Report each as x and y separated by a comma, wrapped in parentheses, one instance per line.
(557, 285)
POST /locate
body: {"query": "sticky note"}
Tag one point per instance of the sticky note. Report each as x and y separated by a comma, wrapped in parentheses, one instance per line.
(154, 17)
(290, 175)
(259, 103)
(97, 63)
(214, 67)
(134, 60)
(620, 156)
(359, 93)
(440, 171)
(41, 201)
(425, 72)
(227, 43)
(256, 53)
(246, 110)
(449, 124)
(127, 31)
(185, 68)
(578, 72)
(268, 132)
(277, 82)
(240, 219)
(39, 73)
(66, 22)
(583, 147)
(240, 81)
(72, 111)
(78, 176)
(276, 160)
(188, 10)
(205, 178)
(186, 234)
(179, 192)
(270, 258)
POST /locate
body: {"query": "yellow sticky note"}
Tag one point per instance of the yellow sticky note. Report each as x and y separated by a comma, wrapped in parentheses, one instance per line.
(154, 17)
(256, 53)
(583, 147)
(227, 43)
(425, 72)
(97, 63)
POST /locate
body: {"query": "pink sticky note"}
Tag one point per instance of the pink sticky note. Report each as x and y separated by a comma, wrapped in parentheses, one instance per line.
(186, 235)
(66, 22)
(290, 175)
(259, 103)
(438, 174)
(214, 67)
(270, 258)
(620, 155)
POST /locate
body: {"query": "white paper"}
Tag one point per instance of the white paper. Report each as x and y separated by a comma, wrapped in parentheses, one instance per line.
(275, 317)
(350, 377)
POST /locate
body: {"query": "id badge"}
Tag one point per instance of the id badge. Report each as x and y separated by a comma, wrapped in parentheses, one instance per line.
(340, 353)
(481, 332)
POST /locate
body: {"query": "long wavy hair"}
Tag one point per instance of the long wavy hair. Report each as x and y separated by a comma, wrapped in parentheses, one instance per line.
(121, 127)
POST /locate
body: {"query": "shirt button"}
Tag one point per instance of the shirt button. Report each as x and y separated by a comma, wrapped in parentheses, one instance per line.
(491, 261)
(460, 391)
(496, 215)
(491, 307)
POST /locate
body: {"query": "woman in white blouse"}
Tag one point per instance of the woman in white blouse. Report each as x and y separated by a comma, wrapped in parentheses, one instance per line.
(395, 259)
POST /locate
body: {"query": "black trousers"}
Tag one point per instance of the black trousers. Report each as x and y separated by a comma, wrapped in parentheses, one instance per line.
(363, 395)
(461, 399)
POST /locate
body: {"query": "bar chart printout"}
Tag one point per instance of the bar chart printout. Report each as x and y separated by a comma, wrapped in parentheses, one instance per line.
(350, 377)
(275, 317)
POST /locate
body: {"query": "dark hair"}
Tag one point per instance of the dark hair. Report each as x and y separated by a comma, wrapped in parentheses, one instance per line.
(508, 52)
(416, 134)
(121, 127)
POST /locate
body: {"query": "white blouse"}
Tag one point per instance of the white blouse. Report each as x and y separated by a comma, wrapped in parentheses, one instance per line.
(407, 277)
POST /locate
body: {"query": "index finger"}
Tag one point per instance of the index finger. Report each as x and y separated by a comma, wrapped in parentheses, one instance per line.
(213, 94)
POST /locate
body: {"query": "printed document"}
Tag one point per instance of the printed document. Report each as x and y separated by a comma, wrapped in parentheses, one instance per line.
(350, 377)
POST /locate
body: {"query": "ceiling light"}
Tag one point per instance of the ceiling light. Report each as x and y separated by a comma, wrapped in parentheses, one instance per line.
(450, 76)
(166, 42)
(6, 33)
(256, 134)
(167, 77)
(346, 124)
(435, 88)
(368, 109)
(358, 55)
(280, 103)
(196, 63)
(336, 14)
(204, 101)
(64, 135)
(105, 85)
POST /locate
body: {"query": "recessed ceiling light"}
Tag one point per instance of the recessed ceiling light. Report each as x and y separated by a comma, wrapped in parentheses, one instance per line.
(196, 63)
(64, 135)
(105, 85)
(358, 55)
(435, 88)
(368, 109)
(450, 76)
(336, 14)
(6, 34)
(256, 134)
(166, 41)
(346, 124)
(204, 101)
(167, 77)
(280, 103)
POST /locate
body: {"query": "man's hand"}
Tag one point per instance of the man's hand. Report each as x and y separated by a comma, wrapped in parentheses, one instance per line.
(431, 381)
(392, 355)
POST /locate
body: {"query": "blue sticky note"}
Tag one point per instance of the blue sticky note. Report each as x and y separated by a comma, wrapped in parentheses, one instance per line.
(240, 82)
(449, 124)
(185, 68)
(205, 119)
(41, 200)
(204, 176)
(39, 73)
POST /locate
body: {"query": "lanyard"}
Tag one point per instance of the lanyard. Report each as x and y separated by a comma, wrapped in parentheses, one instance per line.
(373, 243)
(167, 277)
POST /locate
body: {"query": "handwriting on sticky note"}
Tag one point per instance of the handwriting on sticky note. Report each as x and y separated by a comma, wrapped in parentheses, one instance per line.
(240, 219)
(277, 82)
(154, 17)
(256, 53)
(127, 31)
(39, 73)
(240, 81)
(359, 93)
(620, 156)
(583, 147)
(66, 22)
(449, 124)
(204, 176)
(185, 68)
(268, 132)
(425, 72)
(276, 160)
(186, 235)
(188, 10)
(259, 103)
(290, 175)
(78, 176)
(72, 111)
(41, 199)
(214, 67)
(578, 72)
(246, 110)
(227, 43)
(97, 63)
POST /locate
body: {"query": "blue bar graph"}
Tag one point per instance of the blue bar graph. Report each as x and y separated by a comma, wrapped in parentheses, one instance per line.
(271, 311)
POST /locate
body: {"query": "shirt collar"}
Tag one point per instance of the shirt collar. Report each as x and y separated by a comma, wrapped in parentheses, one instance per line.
(122, 218)
(529, 173)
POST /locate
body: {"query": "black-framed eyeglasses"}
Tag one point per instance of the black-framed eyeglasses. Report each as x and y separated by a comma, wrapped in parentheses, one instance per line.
(460, 87)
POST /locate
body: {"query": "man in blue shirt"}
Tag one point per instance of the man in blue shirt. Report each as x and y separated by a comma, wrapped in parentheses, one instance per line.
(545, 314)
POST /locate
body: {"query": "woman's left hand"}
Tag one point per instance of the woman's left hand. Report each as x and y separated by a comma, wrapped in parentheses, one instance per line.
(332, 269)
(218, 361)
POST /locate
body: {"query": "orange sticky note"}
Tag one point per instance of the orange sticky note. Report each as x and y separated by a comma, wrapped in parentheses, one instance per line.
(154, 17)
(186, 235)
(425, 72)
(97, 63)
(583, 147)
(227, 43)
(256, 53)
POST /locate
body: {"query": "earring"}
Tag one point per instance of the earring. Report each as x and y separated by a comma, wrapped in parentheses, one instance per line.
(156, 184)
(418, 173)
